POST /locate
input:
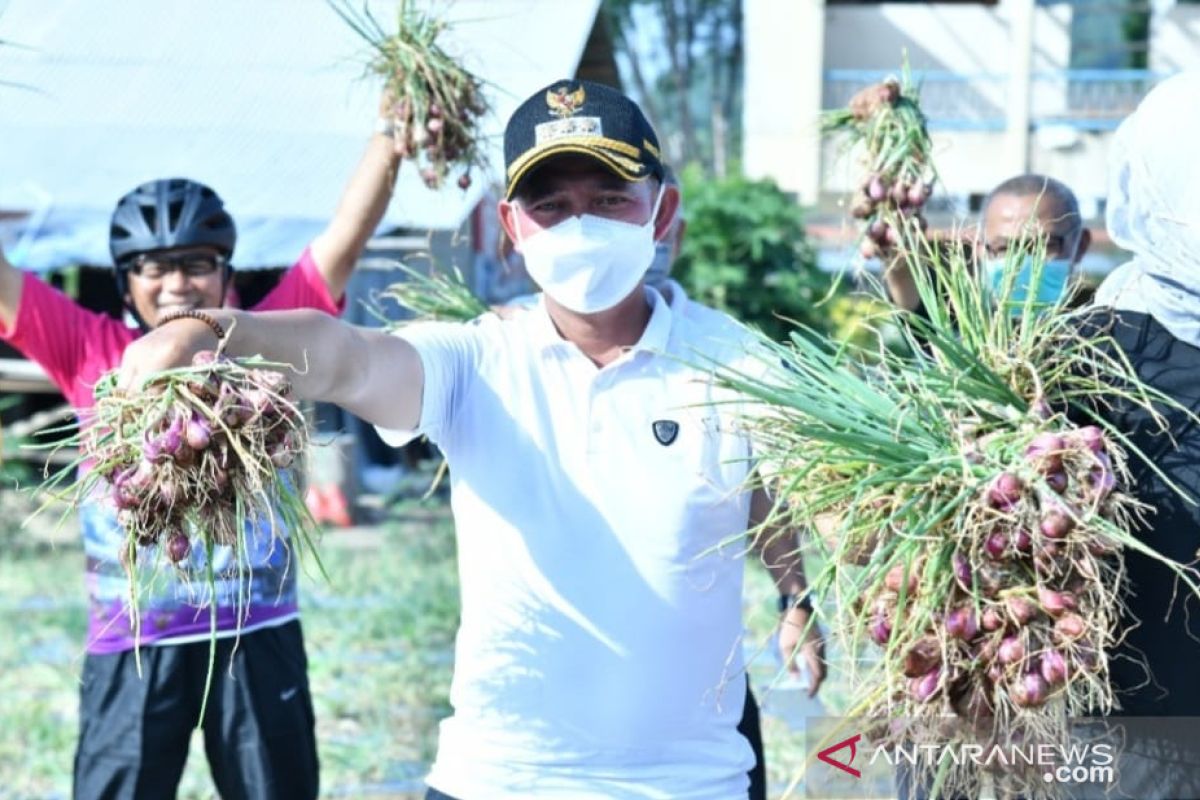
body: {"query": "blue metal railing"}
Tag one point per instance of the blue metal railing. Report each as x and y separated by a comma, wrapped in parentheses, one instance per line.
(1084, 99)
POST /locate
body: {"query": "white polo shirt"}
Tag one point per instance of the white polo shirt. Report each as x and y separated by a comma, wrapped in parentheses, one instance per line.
(597, 513)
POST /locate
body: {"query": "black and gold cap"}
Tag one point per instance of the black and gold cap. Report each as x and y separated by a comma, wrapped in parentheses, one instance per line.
(581, 117)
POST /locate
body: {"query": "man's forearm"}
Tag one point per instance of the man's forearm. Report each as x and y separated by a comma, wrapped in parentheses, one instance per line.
(776, 544)
(362, 206)
(800, 639)
(371, 374)
(781, 556)
(307, 340)
(901, 287)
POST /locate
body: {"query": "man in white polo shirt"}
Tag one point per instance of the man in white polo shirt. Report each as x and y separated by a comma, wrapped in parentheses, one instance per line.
(598, 479)
(658, 277)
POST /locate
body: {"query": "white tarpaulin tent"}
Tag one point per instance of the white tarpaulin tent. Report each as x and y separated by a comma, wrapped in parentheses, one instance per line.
(260, 99)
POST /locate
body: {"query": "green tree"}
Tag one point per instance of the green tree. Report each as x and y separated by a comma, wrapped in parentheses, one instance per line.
(745, 252)
(682, 61)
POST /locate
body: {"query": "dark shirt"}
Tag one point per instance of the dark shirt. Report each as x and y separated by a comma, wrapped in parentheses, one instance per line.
(1168, 637)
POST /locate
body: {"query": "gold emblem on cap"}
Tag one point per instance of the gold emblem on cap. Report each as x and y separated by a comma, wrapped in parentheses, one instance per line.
(564, 103)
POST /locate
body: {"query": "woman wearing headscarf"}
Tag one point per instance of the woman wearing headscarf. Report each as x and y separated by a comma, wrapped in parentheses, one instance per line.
(1154, 309)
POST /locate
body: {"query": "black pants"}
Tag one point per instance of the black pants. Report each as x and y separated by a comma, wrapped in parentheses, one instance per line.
(750, 727)
(259, 733)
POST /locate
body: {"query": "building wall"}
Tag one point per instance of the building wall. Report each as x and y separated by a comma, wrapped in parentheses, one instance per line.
(967, 38)
(1175, 39)
(784, 43)
(966, 52)
(973, 41)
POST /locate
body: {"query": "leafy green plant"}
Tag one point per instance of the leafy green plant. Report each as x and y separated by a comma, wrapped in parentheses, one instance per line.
(433, 295)
(745, 252)
(11, 471)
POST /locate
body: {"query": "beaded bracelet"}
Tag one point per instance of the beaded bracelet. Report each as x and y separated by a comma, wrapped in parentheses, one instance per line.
(193, 313)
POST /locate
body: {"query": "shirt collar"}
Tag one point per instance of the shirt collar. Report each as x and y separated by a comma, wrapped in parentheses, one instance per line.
(654, 338)
(658, 328)
(679, 297)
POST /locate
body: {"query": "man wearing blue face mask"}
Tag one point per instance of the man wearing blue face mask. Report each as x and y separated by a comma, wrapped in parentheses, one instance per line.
(1033, 209)
(599, 479)
(1023, 211)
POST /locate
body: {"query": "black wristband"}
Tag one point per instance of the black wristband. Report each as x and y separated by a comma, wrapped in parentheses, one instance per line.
(800, 601)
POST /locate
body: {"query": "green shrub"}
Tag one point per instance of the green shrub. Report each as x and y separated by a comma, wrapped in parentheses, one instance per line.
(745, 253)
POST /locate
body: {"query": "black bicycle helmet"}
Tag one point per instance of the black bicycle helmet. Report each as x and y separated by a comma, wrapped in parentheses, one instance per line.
(170, 212)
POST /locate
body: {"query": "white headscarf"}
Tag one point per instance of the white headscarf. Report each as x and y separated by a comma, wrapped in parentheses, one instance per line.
(1154, 208)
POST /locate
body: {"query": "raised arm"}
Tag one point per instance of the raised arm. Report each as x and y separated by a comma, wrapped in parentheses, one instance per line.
(898, 279)
(11, 280)
(364, 200)
(375, 376)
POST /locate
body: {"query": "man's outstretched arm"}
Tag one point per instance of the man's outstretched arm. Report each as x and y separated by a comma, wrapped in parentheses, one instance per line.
(373, 375)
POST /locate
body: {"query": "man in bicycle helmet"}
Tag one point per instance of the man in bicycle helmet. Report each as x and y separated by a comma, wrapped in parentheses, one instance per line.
(172, 243)
(175, 239)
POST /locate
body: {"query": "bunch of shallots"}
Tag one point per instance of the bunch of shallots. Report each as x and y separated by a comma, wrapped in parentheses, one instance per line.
(1015, 606)
(437, 105)
(196, 454)
(197, 457)
(886, 123)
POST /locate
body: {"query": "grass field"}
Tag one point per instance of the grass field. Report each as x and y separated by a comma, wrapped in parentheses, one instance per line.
(379, 642)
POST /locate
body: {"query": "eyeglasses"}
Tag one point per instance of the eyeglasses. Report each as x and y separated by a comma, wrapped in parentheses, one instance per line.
(192, 265)
(1055, 244)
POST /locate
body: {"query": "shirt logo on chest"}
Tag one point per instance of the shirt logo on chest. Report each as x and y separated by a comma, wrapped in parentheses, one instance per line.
(665, 431)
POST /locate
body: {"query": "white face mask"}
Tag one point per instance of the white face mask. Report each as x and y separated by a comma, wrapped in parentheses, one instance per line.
(588, 263)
